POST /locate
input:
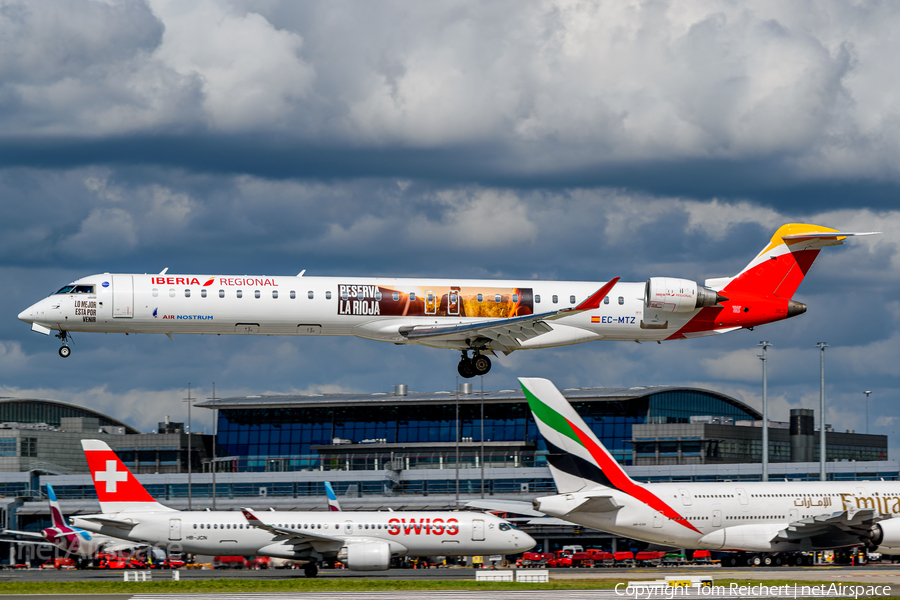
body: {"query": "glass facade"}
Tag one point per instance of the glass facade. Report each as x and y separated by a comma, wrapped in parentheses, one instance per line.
(267, 434)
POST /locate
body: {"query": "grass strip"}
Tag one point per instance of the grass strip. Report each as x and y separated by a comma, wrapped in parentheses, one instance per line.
(324, 585)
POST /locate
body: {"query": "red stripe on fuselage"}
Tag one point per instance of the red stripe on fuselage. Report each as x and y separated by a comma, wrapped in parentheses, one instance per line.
(623, 483)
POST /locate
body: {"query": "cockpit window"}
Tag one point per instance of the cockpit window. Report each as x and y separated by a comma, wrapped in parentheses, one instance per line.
(76, 289)
(505, 527)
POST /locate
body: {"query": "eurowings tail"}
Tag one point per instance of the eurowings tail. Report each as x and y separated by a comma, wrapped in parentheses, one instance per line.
(783, 263)
(56, 515)
(333, 504)
(118, 490)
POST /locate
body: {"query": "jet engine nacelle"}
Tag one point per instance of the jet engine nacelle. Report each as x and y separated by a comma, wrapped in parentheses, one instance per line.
(885, 536)
(668, 294)
(370, 556)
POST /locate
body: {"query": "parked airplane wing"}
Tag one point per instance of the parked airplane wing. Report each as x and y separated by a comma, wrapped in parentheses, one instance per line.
(839, 524)
(292, 536)
(506, 333)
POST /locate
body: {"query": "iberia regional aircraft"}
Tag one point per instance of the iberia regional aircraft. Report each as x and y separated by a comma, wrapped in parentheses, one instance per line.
(477, 316)
(363, 541)
(772, 521)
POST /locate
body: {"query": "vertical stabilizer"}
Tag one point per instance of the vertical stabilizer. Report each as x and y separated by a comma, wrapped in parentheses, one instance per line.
(118, 490)
(333, 504)
(56, 515)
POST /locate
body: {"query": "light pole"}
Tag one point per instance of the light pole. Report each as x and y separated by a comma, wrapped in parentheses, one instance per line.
(215, 424)
(867, 392)
(821, 346)
(189, 401)
(765, 414)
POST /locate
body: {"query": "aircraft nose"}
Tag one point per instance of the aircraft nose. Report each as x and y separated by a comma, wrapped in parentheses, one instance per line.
(527, 540)
(27, 315)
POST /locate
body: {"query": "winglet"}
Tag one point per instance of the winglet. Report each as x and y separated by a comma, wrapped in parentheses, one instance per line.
(594, 300)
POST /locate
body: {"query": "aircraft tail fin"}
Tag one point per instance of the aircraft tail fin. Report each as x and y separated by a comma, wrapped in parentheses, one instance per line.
(333, 504)
(577, 458)
(783, 263)
(56, 516)
(118, 490)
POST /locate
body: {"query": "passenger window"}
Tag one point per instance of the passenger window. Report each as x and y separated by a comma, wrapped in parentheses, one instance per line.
(571, 299)
(256, 294)
(344, 295)
(515, 298)
(328, 295)
(497, 298)
(293, 295)
(155, 292)
(606, 300)
(240, 293)
(221, 293)
(396, 296)
(537, 299)
(621, 300)
(378, 295)
(555, 298)
(310, 295)
(412, 296)
(480, 298)
(203, 293)
(171, 292)
(274, 293)
(187, 292)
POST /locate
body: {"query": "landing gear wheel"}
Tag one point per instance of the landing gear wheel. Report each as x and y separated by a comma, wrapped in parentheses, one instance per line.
(466, 369)
(65, 351)
(732, 561)
(767, 561)
(754, 561)
(310, 569)
(481, 364)
(779, 561)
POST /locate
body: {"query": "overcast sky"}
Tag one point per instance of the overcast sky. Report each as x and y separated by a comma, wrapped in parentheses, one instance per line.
(571, 140)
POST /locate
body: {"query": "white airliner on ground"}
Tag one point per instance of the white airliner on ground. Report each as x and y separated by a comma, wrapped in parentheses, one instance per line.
(71, 540)
(773, 521)
(363, 541)
(477, 316)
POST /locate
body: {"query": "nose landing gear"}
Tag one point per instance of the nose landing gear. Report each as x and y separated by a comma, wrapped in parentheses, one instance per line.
(479, 364)
(64, 351)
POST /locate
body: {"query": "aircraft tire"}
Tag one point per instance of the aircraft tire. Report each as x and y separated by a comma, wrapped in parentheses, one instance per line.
(767, 561)
(65, 351)
(466, 369)
(310, 569)
(481, 364)
(754, 561)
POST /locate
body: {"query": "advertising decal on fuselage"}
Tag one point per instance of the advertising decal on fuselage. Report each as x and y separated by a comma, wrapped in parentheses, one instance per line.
(424, 301)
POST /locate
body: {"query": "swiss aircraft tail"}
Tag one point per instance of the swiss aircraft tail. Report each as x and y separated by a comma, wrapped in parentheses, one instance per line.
(781, 266)
(333, 504)
(577, 458)
(117, 488)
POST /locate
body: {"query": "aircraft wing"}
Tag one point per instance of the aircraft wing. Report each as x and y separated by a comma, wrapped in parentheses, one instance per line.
(504, 334)
(23, 536)
(290, 536)
(839, 525)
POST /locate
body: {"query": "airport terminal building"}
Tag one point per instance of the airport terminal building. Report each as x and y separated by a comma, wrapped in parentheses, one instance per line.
(412, 450)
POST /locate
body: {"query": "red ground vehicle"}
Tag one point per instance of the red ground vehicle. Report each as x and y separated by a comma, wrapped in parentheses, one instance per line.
(602, 558)
(535, 559)
(561, 558)
(59, 563)
(260, 562)
(582, 559)
(624, 559)
(119, 560)
(702, 557)
(648, 558)
(229, 562)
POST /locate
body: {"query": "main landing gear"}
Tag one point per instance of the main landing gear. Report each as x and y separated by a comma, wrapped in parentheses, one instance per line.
(479, 364)
(310, 569)
(65, 351)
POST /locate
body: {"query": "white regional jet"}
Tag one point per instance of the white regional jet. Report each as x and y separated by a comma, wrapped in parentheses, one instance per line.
(477, 316)
(363, 541)
(772, 521)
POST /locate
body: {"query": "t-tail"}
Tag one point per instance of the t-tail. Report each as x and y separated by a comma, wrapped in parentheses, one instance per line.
(118, 490)
(333, 504)
(781, 266)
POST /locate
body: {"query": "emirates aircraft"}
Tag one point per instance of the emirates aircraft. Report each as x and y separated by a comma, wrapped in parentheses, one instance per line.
(768, 522)
(363, 541)
(480, 317)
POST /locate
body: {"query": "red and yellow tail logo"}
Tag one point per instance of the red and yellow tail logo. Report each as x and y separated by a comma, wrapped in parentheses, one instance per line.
(210, 282)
